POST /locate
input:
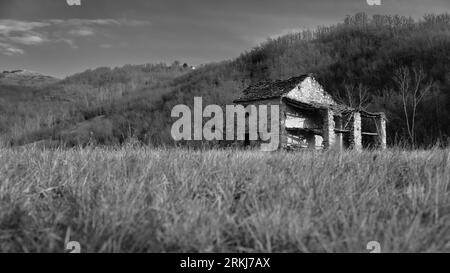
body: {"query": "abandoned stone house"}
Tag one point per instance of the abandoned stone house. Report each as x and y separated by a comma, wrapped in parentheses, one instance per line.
(311, 118)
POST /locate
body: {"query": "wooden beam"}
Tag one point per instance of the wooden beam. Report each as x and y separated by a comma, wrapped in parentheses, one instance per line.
(306, 130)
(369, 134)
(341, 131)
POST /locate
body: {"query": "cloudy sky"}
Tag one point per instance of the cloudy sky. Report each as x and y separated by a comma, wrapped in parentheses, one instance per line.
(54, 38)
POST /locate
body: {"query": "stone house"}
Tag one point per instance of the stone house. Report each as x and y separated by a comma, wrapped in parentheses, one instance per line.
(311, 118)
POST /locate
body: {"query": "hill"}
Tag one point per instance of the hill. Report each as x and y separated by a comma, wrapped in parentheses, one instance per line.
(25, 78)
(361, 60)
(42, 112)
(375, 63)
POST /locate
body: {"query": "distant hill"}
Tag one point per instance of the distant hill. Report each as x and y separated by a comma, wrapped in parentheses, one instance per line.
(35, 107)
(25, 78)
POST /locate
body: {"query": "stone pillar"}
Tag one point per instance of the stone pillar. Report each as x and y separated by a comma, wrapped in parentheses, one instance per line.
(283, 132)
(355, 131)
(381, 131)
(329, 136)
(339, 136)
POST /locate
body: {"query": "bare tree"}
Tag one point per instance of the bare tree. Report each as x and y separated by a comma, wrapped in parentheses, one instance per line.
(413, 87)
(356, 96)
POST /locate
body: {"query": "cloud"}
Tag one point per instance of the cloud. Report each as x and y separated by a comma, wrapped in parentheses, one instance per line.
(134, 23)
(99, 22)
(28, 39)
(82, 32)
(9, 50)
(8, 26)
(69, 42)
(15, 34)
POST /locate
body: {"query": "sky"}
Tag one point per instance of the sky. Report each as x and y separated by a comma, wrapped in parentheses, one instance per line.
(58, 39)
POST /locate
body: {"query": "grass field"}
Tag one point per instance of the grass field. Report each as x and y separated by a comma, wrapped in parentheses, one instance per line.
(136, 199)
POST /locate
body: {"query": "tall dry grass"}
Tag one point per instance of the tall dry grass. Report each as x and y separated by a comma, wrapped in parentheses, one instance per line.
(137, 199)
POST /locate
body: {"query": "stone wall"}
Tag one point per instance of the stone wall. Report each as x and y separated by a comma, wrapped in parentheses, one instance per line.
(310, 91)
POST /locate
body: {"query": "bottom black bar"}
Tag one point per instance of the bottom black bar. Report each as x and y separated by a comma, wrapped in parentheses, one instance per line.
(221, 262)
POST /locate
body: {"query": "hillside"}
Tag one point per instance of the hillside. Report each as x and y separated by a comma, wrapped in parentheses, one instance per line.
(25, 78)
(359, 60)
(33, 112)
(363, 61)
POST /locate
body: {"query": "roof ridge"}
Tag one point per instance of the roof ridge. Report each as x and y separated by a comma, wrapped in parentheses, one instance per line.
(271, 88)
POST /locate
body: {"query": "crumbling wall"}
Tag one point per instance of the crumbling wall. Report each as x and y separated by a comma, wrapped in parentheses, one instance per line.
(298, 119)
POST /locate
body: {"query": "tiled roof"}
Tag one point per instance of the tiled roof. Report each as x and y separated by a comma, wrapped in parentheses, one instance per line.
(270, 89)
